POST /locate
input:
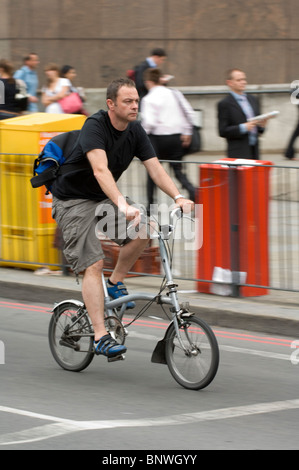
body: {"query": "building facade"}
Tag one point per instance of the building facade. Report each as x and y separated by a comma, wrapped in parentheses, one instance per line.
(203, 38)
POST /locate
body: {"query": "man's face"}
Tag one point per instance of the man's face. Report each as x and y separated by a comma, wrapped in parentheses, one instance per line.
(159, 60)
(125, 107)
(237, 82)
(33, 61)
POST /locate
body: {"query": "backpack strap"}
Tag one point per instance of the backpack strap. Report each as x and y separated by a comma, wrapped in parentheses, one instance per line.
(46, 177)
(50, 174)
(66, 167)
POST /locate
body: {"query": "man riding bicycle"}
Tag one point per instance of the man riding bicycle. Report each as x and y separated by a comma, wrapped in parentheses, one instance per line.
(78, 194)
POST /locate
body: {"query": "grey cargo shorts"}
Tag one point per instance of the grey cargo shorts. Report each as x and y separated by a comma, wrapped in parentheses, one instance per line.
(80, 221)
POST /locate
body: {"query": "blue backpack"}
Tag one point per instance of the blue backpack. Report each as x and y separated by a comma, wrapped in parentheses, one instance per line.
(52, 161)
(55, 159)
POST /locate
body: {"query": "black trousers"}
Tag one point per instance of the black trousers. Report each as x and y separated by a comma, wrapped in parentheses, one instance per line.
(254, 152)
(169, 147)
(290, 153)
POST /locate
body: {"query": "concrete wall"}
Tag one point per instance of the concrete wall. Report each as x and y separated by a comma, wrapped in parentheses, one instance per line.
(272, 98)
(203, 38)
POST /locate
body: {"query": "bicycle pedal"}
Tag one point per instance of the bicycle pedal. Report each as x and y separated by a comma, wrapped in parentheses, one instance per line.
(120, 357)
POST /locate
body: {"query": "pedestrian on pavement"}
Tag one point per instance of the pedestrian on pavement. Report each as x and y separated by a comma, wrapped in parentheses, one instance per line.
(10, 106)
(156, 59)
(233, 114)
(28, 74)
(69, 72)
(167, 118)
(55, 89)
(290, 150)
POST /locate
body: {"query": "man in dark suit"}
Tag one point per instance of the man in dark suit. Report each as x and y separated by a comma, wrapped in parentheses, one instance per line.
(157, 58)
(233, 114)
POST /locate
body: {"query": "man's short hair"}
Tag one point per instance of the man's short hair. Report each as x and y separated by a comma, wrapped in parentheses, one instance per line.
(28, 57)
(230, 72)
(115, 85)
(153, 75)
(158, 51)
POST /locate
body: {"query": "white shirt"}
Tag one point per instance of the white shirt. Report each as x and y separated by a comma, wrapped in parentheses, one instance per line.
(165, 112)
(55, 108)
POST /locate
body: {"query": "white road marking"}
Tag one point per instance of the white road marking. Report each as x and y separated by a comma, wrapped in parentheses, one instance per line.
(65, 426)
(255, 352)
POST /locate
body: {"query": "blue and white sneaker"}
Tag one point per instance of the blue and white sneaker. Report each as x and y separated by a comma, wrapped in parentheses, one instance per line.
(108, 347)
(119, 290)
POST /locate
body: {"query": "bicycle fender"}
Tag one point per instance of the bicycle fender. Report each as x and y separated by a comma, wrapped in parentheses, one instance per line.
(158, 356)
(78, 303)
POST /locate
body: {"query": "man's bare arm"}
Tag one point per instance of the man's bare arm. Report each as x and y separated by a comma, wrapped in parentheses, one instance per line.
(161, 178)
(99, 164)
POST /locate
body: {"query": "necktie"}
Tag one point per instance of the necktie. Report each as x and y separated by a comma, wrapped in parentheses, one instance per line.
(249, 114)
(246, 107)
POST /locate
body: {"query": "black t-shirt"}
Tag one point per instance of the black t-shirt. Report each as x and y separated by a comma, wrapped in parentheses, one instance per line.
(98, 133)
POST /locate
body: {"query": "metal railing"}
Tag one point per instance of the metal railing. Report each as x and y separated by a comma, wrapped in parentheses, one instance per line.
(239, 234)
(255, 91)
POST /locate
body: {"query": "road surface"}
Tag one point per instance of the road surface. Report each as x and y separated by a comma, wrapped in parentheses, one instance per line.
(136, 405)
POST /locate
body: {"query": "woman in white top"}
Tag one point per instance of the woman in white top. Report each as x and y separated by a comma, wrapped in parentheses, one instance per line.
(56, 89)
(69, 72)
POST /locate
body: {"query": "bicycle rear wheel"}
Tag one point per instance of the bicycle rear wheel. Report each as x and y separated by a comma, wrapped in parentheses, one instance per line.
(196, 367)
(71, 337)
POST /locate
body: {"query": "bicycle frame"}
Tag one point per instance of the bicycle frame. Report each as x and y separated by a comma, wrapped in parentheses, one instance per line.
(189, 346)
(170, 299)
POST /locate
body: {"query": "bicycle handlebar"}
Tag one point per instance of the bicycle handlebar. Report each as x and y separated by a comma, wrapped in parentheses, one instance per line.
(176, 211)
(132, 229)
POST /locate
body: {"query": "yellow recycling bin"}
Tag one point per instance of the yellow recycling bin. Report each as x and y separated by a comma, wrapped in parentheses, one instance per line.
(27, 227)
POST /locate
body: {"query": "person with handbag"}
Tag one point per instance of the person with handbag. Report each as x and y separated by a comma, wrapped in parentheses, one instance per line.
(168, 121)
(78, 95)
(56, 89)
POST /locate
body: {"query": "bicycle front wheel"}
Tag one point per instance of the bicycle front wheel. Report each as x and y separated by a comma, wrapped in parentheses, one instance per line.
(71, 337)
(195, 367)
